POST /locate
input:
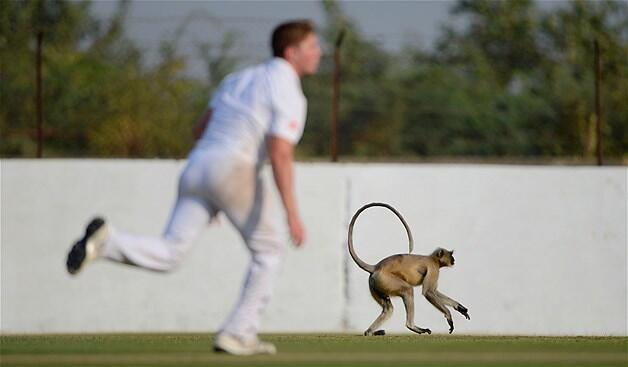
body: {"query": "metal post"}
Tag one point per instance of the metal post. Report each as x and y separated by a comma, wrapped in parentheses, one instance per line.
(38, 98)
(336, 98)
(598, 108)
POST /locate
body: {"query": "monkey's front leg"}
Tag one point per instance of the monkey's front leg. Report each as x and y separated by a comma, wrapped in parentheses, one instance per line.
(435, 300)
(455, 304)
(408, 302)
(463, 310)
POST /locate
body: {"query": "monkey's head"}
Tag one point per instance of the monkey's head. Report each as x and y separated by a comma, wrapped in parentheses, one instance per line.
(444, 257)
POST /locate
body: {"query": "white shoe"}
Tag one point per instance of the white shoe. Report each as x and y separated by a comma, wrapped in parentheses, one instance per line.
(236, 346)
(88, 248)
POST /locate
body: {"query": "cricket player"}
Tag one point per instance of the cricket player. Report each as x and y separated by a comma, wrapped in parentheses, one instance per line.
(255, 115)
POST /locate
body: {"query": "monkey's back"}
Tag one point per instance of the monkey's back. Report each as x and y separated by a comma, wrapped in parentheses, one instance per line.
(406, 267)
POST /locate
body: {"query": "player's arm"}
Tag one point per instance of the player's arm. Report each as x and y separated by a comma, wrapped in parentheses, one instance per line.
(201, 124)
(281, 154)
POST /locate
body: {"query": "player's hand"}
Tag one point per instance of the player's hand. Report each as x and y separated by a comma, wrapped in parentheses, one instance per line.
(297, 231)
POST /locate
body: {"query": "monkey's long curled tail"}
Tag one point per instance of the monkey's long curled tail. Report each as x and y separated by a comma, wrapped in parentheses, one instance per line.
(367, 267)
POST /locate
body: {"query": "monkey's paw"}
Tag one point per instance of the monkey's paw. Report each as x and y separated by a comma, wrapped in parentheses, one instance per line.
(420, 330)
(374, 333)
(464, 311)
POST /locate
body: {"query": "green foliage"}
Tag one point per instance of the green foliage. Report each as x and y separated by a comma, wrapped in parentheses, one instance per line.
(515, 81)
(506, 79)
(569, 73)
(371, 113)
(100, 98)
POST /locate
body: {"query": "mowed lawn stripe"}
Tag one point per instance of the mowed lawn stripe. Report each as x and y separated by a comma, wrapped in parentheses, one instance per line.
(104, 350)
(316, 357)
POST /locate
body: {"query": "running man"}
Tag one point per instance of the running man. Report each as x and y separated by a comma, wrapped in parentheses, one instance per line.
(255, 114)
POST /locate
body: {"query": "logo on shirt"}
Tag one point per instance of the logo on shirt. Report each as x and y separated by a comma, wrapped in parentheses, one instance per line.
(293, 125)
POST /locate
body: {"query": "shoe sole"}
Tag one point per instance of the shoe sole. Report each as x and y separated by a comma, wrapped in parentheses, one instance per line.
(242, 351)
(233, 352)
(79, 253)
(218, 349)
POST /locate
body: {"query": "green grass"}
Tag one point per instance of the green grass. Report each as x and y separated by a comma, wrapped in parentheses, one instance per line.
(314, 350)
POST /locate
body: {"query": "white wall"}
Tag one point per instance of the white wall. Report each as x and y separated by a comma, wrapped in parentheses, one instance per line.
(539, 250)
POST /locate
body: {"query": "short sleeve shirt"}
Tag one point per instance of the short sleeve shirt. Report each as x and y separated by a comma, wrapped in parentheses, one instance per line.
(257, 102)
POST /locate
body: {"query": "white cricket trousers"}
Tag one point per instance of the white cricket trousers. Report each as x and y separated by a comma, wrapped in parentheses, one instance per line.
(210, 183)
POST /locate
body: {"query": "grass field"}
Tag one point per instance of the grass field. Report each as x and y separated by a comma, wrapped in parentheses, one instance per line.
(314, 350)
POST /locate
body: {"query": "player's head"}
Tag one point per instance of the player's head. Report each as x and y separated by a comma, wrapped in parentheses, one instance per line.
(297, 43)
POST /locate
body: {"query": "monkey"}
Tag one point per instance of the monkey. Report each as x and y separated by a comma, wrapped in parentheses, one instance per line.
(397, 275)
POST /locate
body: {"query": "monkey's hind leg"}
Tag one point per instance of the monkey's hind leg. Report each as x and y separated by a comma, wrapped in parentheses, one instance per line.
(408, 302)
(387, 309)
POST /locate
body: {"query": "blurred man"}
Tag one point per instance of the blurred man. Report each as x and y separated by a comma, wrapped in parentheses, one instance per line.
(256, 113)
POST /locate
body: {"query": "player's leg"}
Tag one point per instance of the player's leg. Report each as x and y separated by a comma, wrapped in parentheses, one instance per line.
(190, 214)
(259, 230)
(89, 247)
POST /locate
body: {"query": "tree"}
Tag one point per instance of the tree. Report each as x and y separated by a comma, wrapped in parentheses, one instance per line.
(100, 96)
(370, 117)
(569, 33)
(63, 26)
(514, 80)
(519, 82)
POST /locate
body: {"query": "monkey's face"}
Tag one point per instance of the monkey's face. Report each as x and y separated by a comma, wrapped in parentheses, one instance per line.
(449, 258)
(445, 257)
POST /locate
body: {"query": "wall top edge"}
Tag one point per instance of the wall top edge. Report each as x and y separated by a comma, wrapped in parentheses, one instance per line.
(6, 162)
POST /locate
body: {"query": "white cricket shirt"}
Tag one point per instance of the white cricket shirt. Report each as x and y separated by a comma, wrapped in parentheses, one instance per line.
(251, 104)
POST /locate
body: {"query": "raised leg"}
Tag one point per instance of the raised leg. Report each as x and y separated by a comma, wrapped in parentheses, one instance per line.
(436, 301)
(453, 303)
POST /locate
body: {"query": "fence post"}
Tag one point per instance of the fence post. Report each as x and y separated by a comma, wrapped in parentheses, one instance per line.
(38, 98)
(336, 98)
(598, 108)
